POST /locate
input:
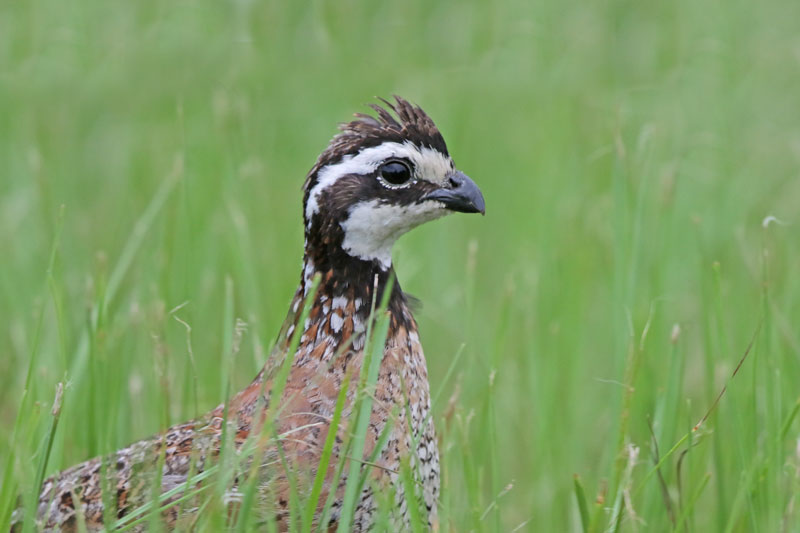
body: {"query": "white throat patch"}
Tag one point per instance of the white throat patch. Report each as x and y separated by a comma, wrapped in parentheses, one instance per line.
(371, 229)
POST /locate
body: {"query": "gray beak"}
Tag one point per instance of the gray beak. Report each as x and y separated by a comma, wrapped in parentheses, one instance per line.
(460, 195)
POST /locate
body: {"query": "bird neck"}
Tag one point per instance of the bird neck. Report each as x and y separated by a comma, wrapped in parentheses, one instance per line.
(339, 309)
(339, 312)
(354, 280)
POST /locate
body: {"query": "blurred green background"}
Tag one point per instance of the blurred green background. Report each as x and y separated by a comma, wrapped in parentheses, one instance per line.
(629, 153)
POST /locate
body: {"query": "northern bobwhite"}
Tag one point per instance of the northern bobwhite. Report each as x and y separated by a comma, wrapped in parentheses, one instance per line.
(378, 178)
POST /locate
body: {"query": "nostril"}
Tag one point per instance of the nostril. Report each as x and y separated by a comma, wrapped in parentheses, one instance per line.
(454, 182)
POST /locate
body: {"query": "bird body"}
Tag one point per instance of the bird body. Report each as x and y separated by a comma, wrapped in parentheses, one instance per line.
(378, 178)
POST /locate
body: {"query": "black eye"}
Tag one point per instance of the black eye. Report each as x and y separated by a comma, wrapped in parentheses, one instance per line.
(395, 172)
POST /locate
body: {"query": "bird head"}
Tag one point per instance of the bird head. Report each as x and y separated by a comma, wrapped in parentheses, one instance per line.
(380, 177)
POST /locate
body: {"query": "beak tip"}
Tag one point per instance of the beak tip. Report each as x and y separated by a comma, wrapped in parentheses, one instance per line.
(480, 206)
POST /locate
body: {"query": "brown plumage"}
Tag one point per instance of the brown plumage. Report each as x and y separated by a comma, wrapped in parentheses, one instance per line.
(377, 179)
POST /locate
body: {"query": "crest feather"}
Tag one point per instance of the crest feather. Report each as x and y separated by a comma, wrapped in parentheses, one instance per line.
(398, 121)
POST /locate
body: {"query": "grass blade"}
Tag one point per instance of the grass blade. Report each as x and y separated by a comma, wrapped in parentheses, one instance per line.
(8, 488)
(140, 230)
(327, 450)
(260, 436)
(374, 353)
(410, 491)
(47, 444)
(580, 498)
(689, 508)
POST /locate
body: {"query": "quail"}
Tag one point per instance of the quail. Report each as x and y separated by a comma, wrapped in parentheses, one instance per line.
(382, 175)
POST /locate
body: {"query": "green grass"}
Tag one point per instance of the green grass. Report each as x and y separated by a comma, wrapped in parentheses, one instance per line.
(629, 153)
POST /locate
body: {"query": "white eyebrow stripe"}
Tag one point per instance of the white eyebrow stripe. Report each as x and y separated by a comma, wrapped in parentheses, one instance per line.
(429, 164)
(364, 162)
